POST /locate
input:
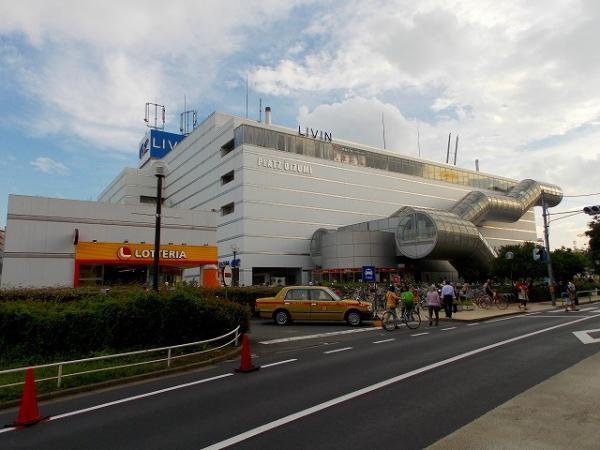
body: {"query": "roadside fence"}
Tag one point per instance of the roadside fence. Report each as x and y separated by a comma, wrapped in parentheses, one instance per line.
(232, 337)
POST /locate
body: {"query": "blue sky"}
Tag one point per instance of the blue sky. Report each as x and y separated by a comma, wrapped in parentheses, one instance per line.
(518, 81)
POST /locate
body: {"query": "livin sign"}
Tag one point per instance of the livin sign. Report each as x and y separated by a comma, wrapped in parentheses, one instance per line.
(315, 134)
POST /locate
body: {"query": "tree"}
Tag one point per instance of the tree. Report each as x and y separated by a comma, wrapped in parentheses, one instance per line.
(522, 265)
(594, 252)
(566, 263)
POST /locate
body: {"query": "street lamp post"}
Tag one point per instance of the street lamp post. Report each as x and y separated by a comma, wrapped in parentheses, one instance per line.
(234, 265)
(509, 257)
(160, 171)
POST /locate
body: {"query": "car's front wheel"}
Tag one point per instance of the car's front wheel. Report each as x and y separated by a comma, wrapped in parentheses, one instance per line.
(353, 318)
(281, 317)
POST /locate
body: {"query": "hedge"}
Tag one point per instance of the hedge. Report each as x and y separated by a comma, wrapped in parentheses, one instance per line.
(41, 331)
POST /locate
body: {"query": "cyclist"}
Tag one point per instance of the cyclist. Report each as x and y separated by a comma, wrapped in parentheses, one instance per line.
(408, 300)
(488, 288)
(391, 301)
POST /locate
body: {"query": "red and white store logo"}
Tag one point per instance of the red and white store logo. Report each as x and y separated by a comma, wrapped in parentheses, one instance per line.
(124, 253)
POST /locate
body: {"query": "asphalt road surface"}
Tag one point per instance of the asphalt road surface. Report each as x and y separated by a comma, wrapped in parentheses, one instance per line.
(365, 389)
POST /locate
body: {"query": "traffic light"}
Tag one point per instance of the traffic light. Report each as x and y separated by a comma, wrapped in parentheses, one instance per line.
(592, 210)
(540, 254)
(543, 255)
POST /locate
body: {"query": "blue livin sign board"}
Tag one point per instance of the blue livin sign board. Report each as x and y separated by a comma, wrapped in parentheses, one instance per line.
(368, 273)
(159, 143)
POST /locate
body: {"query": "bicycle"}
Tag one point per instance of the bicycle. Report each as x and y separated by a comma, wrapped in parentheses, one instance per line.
(410, 317)
(484, 301)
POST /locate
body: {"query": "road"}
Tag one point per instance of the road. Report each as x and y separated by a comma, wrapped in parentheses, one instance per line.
(365, 389)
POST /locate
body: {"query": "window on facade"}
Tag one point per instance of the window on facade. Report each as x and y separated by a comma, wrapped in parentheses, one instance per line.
(227, 209)
(228, 177)
(301, 145)
(227, 147)
(148, 200)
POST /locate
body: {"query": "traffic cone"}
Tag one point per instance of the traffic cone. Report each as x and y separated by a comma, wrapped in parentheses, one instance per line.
(29, 413)
(246, 362)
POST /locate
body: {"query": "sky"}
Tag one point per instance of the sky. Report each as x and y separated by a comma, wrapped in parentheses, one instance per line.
(517, 81)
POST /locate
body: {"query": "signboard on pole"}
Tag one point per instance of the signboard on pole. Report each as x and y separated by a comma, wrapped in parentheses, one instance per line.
(368, 274)
(227, 276)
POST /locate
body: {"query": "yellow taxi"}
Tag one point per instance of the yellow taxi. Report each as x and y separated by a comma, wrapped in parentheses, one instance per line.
(312, 303)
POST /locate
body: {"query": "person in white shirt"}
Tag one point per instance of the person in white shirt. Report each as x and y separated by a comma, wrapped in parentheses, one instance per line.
(448, 295)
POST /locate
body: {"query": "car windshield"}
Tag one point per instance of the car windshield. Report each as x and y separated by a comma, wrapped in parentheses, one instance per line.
(333, 294)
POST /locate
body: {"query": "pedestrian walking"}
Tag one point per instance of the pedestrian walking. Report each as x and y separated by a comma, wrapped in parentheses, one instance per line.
(448, 295)
(433, 304)
(522, 293)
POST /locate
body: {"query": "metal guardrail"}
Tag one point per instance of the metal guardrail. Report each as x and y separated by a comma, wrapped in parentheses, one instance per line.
(169, 358)
(591, 293)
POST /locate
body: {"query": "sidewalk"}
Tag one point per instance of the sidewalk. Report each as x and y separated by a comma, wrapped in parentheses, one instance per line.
(559, 413)
(479, 314)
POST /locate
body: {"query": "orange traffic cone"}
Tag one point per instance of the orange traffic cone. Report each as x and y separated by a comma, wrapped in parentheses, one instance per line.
(246, 363)
(28, 413)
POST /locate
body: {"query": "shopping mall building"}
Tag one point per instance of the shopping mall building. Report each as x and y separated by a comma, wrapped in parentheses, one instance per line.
(294, 205)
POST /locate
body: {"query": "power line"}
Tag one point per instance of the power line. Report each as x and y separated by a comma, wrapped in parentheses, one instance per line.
(566, 212)
(582, 195)
(563, 217)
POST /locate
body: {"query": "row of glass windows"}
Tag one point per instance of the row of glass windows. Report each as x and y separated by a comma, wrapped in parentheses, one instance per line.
(246, 134)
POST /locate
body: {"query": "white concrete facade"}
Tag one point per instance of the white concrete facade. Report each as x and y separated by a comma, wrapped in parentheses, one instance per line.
(281, 198)
(40, 250)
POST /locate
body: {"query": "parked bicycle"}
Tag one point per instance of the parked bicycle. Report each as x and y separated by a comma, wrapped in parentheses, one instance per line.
(410, 317)
(484, 300)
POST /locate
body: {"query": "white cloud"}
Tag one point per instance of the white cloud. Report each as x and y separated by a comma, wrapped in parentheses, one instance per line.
(518, 81)
(93, 66)
(48, 165)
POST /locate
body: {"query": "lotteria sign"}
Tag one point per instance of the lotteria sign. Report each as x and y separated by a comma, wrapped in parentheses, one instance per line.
(126, 253)
(130, 253)
(157, 143)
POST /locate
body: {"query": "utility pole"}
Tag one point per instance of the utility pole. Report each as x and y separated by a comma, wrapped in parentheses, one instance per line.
(448, 151)
(548, 259)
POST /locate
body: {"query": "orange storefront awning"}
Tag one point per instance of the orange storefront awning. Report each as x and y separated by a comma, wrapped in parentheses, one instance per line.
(143, 254)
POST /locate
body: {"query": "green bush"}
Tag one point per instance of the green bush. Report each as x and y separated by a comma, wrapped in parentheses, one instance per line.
(38, 331)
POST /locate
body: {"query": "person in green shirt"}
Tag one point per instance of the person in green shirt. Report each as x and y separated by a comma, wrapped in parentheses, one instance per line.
(408, 299)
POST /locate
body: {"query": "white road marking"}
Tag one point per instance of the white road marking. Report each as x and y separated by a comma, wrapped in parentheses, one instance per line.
(313, 336)
(587, 309)
(337, 350)
(279, 363)
(502, 319)
(385, 340)
(352, 395)
(472, 324)
(449, 328)
(129, 399)
(585, 336)
(420, 334)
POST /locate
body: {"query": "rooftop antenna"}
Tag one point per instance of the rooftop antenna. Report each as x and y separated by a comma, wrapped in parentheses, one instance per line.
(383, 129)
(418, 140)
(246, 95)
(260, 110)
(188, 120)
(448, 151)
(455, 149)
(156, 109)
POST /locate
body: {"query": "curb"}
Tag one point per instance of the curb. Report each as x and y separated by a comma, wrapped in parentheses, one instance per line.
(515, 313)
